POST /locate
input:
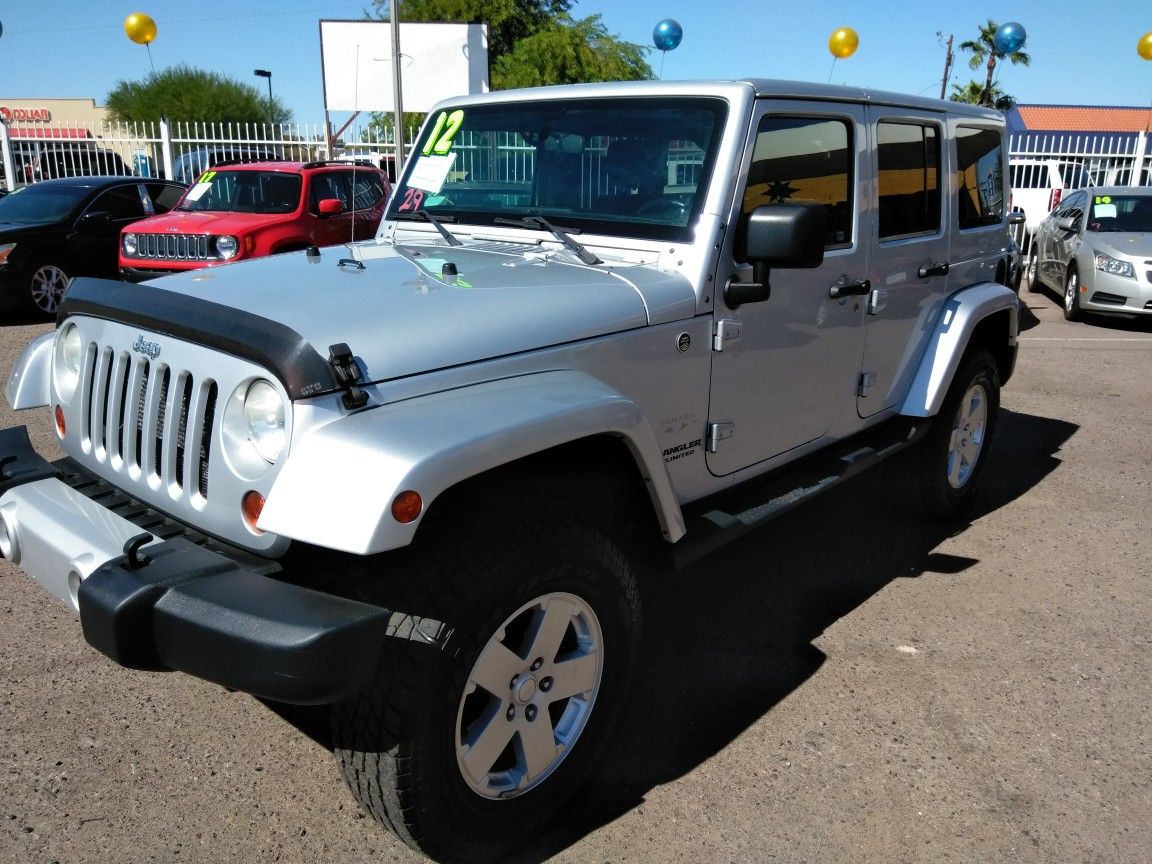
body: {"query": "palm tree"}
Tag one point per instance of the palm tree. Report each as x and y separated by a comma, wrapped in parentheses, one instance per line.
(973, 94)
(984, 49)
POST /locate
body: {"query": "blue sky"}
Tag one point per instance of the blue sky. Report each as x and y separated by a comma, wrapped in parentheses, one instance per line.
(78, 49)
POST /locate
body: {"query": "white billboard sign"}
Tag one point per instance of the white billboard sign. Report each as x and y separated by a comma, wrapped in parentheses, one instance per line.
(436, 61)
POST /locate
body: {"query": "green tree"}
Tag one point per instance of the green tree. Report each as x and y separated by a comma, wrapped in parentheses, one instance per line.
(973, 94)
(536, 41)
(983, 50)
(187, 94)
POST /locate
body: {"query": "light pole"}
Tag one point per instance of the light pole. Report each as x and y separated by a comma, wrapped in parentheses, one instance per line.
(267, 73)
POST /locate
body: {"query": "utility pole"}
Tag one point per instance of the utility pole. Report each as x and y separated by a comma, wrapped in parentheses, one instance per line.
(947, 67)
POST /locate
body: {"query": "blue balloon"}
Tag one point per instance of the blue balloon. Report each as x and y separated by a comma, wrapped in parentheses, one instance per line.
(667, 34)
(1009, 38)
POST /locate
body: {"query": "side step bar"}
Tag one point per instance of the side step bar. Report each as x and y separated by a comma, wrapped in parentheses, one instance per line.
(721, 519)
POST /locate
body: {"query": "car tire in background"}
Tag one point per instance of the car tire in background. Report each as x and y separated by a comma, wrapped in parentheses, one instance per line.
(1072, 310)
(44, 286)
(1032, 271)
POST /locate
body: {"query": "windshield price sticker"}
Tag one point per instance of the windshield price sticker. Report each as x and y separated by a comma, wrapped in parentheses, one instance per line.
(1103, 199)
(430, 172)
(197, 191)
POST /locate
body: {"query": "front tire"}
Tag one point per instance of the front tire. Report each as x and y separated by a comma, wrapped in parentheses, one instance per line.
(45, 288)
(1072, 310)
(467, 751)
(946, 467)
(1032, 275)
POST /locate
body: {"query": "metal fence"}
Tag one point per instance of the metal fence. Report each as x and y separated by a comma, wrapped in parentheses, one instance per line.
(174, 149)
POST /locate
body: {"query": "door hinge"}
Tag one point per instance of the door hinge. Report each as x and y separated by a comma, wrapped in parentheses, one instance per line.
(877, 300)
(718, 432)
(726, 331)
(867, 382)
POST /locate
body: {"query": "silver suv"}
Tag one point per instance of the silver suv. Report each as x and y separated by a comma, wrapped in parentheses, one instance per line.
(412, 477)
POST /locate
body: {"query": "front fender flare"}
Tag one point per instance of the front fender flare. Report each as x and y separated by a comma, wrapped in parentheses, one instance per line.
(29, 385)
(961, 314)
(337, 486)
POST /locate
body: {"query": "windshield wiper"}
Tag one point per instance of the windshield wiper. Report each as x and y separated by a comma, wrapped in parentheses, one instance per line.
(539, 222)
(428, 217)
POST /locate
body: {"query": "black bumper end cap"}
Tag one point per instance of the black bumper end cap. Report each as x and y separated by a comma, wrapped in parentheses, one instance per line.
(19, 461)
(195, 611)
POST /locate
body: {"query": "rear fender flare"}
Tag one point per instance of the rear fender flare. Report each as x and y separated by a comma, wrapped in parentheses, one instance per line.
(338, 484)
(958, 320)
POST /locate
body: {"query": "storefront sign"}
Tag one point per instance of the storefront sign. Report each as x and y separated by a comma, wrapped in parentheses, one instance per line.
(25, 115)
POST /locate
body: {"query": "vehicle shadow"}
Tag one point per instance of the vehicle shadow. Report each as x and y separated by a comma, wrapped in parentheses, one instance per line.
(731, 636)
(1119, 323)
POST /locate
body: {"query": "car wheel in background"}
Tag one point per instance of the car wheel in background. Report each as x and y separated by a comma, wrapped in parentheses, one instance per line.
(1032, 274)
(45, 288)
(1072, 310)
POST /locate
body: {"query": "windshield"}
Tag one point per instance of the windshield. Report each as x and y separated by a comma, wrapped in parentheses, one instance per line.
(622, 166)
(244, 192)
(1111, 213)
(39, 203)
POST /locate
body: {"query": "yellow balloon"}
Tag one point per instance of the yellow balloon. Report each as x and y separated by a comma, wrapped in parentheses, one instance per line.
(140, 28)
(843, 42)
(1144, 46)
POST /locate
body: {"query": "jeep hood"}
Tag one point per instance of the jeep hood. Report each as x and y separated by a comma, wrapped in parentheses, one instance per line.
(398, 308)
(205, 222)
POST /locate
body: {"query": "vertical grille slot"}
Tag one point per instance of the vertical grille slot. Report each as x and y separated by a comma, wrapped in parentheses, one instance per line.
(181, 442)
(205, 447)
(139, 407)
(159, 430)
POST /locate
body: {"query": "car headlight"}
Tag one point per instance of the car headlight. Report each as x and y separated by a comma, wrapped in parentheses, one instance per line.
(227, 246)
(128, 244)
(66, 360)
(264, 415)
(5, 251)
(1108, 264)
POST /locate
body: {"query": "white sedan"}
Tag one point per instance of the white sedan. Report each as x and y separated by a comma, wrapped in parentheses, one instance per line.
(1096, 248)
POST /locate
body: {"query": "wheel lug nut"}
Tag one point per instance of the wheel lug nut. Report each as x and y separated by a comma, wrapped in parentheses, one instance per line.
(546, 684)
(530, 712)
(537, 663)
(511, 715)
(514, 682)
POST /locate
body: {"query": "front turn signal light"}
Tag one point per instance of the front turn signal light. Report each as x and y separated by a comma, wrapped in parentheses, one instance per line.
(406, 507)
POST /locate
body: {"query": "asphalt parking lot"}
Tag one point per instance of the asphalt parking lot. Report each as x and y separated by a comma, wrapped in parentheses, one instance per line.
(847, 684)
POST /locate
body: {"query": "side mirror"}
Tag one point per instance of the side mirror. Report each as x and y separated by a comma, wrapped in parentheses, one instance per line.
(1017, 217)
(330, 206)
(778, 235)
(1069, 224)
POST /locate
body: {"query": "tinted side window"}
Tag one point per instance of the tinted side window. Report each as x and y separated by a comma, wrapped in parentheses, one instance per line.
(164, 197)
(804, 160)
(328, 184)
(123, 202)
(908, 159)
(979, 177)
(367, 190)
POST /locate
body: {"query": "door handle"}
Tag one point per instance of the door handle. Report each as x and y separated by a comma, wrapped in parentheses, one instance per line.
(937, 268)
(850, 289)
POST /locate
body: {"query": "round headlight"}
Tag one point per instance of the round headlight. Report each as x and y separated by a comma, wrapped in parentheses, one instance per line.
(264, 414)
(129, 244)
(227, 246)
(66, 360)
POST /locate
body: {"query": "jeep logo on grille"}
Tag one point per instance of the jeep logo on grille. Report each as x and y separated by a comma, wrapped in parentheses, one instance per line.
(151, 350)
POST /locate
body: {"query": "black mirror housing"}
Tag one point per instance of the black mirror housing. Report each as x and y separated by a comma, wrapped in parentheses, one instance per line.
(786, 235)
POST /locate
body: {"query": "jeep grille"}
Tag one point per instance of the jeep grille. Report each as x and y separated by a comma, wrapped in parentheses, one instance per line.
(175, 247)
(147, 421)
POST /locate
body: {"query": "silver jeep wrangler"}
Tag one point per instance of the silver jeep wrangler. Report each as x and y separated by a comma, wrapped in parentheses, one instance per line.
(412, 477)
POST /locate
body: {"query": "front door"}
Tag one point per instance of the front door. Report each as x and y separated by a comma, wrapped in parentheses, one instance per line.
(786, 367)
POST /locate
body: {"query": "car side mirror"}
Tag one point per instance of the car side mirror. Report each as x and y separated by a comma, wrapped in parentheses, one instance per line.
(330, 206)
(1017, 217)
(1069, 224)
(778, 235)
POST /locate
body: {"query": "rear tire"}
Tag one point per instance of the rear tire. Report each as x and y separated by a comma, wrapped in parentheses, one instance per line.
(467, 751)
(1072, 310)
(943, 471)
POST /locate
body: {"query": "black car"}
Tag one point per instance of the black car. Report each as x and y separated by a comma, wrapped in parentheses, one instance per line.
(56, 229)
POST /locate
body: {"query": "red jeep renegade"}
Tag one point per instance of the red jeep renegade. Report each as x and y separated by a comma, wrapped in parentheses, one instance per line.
(246, 210)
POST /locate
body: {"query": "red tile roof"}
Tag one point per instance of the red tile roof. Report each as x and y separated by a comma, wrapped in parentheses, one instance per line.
(1084, 118)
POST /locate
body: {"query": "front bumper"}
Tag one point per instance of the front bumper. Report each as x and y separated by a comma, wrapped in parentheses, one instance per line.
(150, 603)
(1119, 295)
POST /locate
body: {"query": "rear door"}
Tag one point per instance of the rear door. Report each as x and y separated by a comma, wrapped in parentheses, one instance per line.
(909, 264)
